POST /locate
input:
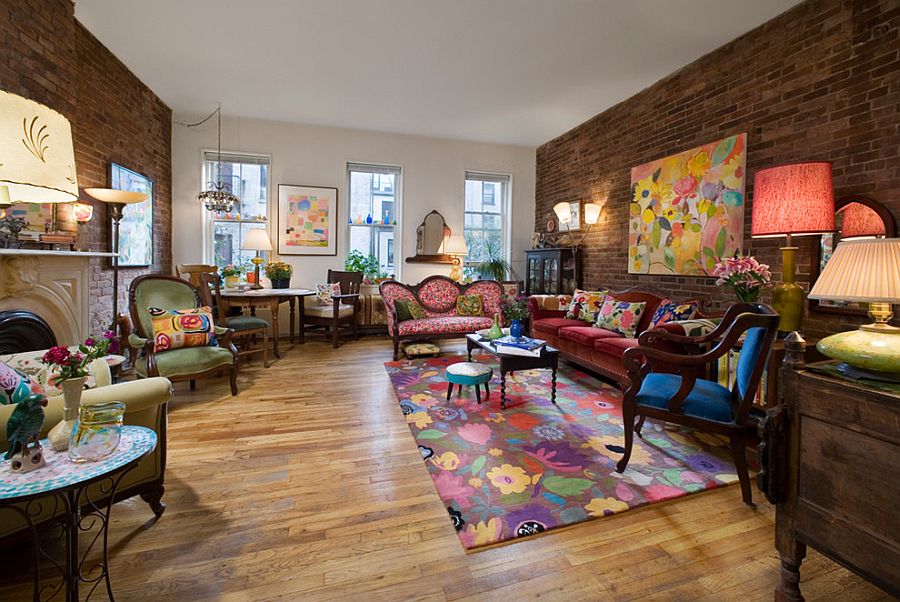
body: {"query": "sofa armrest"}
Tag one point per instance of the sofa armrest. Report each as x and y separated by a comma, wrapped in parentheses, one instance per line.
(547, 306)
(137, 395)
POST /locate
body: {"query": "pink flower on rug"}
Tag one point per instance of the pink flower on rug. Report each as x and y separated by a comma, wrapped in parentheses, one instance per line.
(623, 492)
(453, 488)
(658, 493)
(475, 433)
(482, 534)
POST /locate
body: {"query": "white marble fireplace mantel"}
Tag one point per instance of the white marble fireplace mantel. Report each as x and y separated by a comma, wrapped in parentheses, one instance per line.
(53, 284)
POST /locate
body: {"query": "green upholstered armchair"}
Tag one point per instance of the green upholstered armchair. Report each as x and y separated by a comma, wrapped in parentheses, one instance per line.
(145, 405)
(188, 363)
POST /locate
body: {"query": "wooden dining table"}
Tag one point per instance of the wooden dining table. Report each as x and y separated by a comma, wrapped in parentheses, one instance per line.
(271, 298)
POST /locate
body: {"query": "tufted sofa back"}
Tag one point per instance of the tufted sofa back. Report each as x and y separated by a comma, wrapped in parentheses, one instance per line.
(437, 295)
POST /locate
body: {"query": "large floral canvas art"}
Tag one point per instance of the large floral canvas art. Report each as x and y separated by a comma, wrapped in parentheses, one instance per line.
(687, 210)
(306, 220)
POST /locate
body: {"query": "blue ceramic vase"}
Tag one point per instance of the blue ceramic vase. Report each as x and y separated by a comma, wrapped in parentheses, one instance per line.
(516, 330)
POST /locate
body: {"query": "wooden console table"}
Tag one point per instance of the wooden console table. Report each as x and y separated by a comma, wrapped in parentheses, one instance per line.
(830, 460)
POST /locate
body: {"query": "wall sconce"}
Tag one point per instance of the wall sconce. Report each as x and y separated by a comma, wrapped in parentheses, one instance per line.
(591, 216)
(83, 212)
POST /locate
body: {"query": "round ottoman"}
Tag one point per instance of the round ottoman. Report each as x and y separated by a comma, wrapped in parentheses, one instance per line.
(469, 373)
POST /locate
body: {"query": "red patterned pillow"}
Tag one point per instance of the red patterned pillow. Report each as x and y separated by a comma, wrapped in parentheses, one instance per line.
(177, 328)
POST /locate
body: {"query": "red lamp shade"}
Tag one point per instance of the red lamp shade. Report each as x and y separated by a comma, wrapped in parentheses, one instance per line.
(857, 221)
(797, 199)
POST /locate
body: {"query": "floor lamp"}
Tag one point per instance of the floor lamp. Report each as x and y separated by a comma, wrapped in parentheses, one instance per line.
(116, 199)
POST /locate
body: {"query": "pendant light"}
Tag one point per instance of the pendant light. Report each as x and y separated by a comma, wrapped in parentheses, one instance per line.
(217, 197)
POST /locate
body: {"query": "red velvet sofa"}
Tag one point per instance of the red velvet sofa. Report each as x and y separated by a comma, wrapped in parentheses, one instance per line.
(594, 348)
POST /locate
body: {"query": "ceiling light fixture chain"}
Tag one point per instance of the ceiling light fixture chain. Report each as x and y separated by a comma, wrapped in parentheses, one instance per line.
(217, 198)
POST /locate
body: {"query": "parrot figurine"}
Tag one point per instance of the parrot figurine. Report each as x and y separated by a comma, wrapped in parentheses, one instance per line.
(23, 432)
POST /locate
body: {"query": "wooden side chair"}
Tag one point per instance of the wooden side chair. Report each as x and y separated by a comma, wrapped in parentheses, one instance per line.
(194, 270)
(695, 402)
(244, 327)
(343, 310)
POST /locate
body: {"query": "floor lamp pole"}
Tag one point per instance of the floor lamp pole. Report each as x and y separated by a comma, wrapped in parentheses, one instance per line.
(116, 209)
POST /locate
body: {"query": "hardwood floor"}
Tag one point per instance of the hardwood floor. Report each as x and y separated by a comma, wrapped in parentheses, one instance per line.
(309, 486)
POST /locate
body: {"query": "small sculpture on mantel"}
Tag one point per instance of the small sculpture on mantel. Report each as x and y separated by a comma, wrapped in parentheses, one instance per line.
(23, 431)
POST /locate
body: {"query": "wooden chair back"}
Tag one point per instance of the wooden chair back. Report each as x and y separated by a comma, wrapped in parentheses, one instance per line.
(194, 270)
(211, 294)
(349, 281)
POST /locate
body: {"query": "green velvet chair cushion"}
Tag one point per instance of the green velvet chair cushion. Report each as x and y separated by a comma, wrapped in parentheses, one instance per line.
(239, 323)
(187, 361)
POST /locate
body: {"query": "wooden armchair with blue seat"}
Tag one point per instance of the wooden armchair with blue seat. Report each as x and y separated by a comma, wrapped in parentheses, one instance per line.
(686, 399)
(186, 363)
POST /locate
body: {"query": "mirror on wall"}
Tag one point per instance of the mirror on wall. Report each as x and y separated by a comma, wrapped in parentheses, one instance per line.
(430, 236)
(855, 217)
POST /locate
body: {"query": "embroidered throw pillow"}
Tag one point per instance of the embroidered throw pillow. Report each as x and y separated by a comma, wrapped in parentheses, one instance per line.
(15, 386)
(409, 309)
(324, 293)
(670, 311)
(469, 305)
(585, 305)
(177, 328)
(620, 316)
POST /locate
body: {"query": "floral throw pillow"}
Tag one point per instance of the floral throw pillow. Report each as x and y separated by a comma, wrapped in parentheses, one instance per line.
(585, 305)
(469, 305)
(15, 386)
(671, 311)
(409, 309)
(177, 328)
(620, 316)
(324, 293)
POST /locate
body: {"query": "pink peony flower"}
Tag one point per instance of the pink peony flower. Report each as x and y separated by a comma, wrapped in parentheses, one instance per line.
(474, 433)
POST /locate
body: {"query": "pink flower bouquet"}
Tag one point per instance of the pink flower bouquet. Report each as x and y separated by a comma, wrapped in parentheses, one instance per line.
(744, 274)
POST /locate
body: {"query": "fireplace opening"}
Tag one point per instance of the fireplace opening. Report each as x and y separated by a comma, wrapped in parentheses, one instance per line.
(22, 330)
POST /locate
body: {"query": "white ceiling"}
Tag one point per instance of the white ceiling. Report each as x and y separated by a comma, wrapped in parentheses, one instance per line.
(506, 71)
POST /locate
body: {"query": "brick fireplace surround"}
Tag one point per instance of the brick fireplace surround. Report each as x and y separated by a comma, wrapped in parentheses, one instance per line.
(51, 58)
(818, 83)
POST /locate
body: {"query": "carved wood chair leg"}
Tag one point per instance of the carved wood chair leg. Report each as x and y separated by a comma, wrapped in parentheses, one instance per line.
(738, 447)
(266, 348)
(628, 421)
(639, 426)
(154, 500)
(396, 350)
(233, 381)
(335, 332)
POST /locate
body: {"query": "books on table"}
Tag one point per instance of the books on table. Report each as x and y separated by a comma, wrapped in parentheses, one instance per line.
(524, 346)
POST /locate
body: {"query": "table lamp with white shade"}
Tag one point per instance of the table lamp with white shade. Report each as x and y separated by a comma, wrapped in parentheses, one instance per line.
(455, 246)
(116, 199)
(866, 270)
(257, 239)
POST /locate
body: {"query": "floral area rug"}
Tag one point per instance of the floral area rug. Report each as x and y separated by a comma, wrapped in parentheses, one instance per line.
(535, 466)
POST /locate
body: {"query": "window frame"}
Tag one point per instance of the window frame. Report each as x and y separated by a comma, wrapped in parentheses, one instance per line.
(398, 206)
(207, 217)
(505, 204)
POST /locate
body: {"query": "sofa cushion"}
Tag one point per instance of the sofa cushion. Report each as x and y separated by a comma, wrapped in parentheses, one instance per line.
(620, 316)
(444, 325)
(614, 346)
(469, 305)
(671, 311)
(707, 399)
(586, 335)
(552, 325)
(585, 305)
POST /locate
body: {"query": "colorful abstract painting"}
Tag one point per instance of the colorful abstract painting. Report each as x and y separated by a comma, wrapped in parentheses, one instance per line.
(535, 466)
(687, 210)
(306, 220)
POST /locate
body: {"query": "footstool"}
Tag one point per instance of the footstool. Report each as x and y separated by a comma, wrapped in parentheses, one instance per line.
(469, 373)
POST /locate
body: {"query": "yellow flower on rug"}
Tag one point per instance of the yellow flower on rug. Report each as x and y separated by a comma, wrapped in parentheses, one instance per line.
(446, 461)
(612, 447)
(424, 400)
(476, 482)
(420, 419)
(605, 506)
(509, 479)
(495, 452)
(482, 534)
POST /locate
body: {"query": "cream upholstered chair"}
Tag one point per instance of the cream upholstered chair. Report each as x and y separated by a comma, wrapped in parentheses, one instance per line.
(187, 363)
(344, 308)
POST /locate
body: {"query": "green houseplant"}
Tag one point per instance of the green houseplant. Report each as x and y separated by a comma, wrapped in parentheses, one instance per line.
(368, 265)
(279, 273)
(494, 267)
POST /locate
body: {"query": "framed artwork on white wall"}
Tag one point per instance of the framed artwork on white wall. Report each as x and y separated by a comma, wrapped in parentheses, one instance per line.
(307, 220)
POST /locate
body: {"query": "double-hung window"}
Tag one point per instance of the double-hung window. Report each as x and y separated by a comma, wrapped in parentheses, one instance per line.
(374, 211)
(246, 176)
(486, 214)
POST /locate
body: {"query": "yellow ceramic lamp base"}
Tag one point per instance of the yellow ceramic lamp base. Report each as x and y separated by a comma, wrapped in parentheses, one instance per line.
(788, 297)
(874, 348)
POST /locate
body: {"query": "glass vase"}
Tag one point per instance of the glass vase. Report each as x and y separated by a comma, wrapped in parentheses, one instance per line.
(747, 294)
(97, 431)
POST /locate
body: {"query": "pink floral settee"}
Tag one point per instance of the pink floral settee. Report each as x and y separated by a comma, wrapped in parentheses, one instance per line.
(437, 296)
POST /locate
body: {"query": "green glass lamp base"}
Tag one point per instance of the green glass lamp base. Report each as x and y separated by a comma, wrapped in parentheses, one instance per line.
(875, 350)
(787, 300)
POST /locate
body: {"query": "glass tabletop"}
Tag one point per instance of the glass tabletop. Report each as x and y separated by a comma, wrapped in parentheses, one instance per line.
(60, 472)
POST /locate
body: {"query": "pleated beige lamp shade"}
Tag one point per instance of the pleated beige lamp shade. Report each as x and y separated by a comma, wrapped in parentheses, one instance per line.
(861, 270)
(37, 158)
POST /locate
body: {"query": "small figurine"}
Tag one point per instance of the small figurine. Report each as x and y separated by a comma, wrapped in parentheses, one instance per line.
(359, 219)
(24, 432)
(369, 219)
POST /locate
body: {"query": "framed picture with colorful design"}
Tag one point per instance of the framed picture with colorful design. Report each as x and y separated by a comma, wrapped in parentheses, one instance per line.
(136, 228)
(307, 220)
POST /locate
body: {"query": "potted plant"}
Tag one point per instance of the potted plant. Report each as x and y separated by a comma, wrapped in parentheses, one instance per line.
(744, 274)
(279, 273)
(232, 274)
(515, 310)
(494, 267)
(369, 266)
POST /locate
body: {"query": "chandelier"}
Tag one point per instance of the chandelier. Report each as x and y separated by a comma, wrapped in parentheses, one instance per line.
(217, 197)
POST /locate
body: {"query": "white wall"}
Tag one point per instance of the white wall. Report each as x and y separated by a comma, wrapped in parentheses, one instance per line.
(433, 178)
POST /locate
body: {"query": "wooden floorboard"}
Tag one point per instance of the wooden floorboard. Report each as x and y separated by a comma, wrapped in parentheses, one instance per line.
(309, 486)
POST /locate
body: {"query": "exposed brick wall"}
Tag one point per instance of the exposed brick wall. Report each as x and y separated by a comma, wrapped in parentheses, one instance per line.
(819, 83)
(51, 58)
